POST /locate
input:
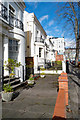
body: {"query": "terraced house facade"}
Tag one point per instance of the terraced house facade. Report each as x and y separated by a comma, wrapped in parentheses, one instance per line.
(12, 37)
(35, 40)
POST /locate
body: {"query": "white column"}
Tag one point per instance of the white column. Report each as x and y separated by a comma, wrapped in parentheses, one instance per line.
(6, 43)
(44, 55)
(21, 56)
(64, 66)
(32, 41)
(35, 64)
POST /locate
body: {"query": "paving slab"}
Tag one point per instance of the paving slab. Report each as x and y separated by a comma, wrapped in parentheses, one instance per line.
(36, 102)
(73, 97)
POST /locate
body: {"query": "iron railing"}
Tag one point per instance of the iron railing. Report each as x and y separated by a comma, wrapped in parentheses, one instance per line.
(38, 39)
(13, 22)
(3, 12)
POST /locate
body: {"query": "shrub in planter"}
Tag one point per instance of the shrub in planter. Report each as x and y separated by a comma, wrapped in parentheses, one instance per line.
(10, 65)
(31, 80)
(36, 77)
(42, 75)
(7, 94)
(42, 68)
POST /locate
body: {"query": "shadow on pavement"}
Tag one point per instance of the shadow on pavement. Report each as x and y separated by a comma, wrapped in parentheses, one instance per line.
(75, 81)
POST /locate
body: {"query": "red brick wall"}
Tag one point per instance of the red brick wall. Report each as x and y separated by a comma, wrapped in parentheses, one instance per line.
(59, 57)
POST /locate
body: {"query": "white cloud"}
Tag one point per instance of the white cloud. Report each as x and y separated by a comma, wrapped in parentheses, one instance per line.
(70, 43)
(56, 29)
(35, 5)
(43, 18)
(51, 22)
(62, 35)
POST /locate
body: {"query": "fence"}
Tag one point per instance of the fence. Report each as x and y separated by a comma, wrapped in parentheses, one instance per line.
(74, 70)
(53, 69)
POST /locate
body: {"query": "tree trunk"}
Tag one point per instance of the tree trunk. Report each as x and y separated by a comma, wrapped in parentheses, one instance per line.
(77, 41)
(77, 51)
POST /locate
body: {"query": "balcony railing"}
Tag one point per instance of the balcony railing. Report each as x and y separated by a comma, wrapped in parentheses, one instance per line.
(38, 39)
(3, 12)
(14, 22)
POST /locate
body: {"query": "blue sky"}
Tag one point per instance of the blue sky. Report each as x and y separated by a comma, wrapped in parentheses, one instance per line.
(46, 14)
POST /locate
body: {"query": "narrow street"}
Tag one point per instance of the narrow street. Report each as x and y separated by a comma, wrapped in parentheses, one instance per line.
(36, 102)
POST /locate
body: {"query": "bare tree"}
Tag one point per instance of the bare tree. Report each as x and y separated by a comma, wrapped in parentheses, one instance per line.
(68, 14)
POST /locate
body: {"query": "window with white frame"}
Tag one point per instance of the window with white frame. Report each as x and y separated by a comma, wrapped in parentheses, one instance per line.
(11, 15)
(13, 49)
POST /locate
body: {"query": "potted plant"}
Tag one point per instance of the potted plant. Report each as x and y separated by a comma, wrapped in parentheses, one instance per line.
(42, 75)
(10, 66)
(31, 80)
(7, 94)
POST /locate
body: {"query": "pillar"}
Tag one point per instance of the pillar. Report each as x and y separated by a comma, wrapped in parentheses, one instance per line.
(6, 52)
(63, 84)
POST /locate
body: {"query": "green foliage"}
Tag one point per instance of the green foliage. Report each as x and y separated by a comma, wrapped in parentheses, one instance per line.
(31, 78)
(11, 74)
(42, 73)
(7, 88)
(11, 64)
(30, 65)
(58, 62)
(42, 69)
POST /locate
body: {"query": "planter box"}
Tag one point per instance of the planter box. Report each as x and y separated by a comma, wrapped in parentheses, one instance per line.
(30, 82)
(7, 96)
(42, 76)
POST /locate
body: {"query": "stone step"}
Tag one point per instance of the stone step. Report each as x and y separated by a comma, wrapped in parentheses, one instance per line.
(14, 87)
(21, 84)
(6, 80)
(16, 81)
(6, 77)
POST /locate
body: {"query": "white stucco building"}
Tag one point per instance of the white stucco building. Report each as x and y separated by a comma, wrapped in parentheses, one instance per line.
(70, 53)
(59, 44)
(49, 51)
(12, 37)
(35, 40)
